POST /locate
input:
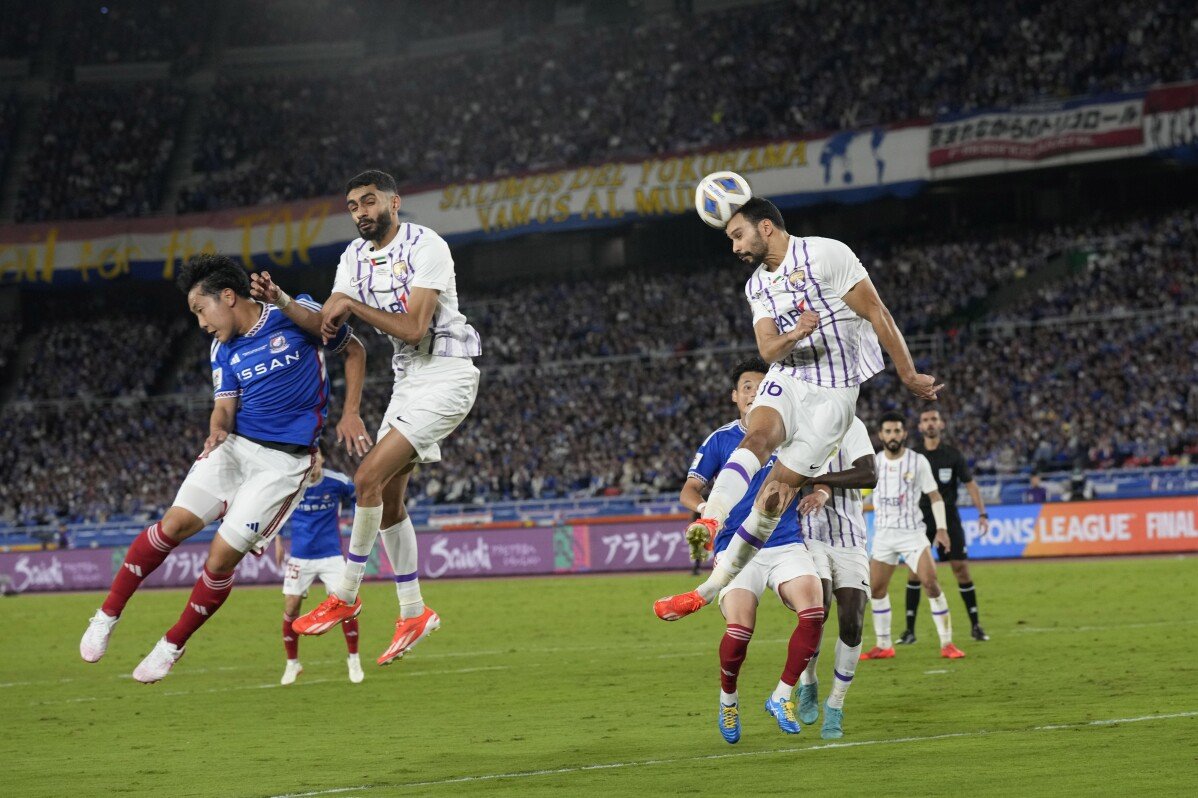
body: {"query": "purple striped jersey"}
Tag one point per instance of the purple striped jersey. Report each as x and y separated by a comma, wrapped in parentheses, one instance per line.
(842, 521)
(815, 275)
(416, 258)
(901, 483)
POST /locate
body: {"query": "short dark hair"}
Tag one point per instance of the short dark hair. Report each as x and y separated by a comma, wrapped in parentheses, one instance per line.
(759, 208)
(373, 177)
(892, 415)
(214, 273)
(754, 364)
(930, 409)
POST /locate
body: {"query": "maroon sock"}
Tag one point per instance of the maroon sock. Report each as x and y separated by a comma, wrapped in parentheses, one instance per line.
(350, 628)
(803, 643)
(290, 638)
(733, 648)
(210, 592)
(145, 554)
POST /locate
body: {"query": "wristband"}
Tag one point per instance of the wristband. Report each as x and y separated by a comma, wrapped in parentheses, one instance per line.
(983, 514)
(824, 489)
(283, 301)
(700, 508)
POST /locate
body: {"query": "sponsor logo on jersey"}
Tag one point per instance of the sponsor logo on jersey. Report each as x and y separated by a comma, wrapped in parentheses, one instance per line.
(278, 343)
(259, 369)
(233, 361)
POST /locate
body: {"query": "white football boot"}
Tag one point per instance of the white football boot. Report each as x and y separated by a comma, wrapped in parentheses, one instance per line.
(158, 662)
(293, 669)
(355, 669)
(95, 639)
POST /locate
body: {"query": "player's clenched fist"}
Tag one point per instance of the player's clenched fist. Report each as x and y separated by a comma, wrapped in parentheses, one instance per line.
(263, 289)
(808, 321)
(214, 440)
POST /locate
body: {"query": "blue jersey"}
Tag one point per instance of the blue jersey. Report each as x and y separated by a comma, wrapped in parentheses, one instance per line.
(315, 527)
(711, 457)
(277, 372)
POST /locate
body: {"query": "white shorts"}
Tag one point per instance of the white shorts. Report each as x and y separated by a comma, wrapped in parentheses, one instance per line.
(891, 544)
(301, 573)
(843, 566)
(253, 488)
(430, 399)
(773, 567)
(816, 419)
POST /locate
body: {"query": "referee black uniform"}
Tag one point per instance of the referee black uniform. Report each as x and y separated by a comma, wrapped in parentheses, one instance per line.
(951, 471)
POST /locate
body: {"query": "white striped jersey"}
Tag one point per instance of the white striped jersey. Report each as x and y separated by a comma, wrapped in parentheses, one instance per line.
(842, 521)
(416, 258)
(901, 483)
(815, 275)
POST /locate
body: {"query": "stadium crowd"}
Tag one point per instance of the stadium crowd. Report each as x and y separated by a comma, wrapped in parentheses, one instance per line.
(628, 89)
(613, 396)
(101, 152)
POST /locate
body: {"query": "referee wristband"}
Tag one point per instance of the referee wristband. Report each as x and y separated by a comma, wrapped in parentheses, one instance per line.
(283, 301)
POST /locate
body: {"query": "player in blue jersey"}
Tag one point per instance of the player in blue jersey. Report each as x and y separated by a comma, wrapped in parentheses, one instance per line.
(784, 565)
(271, 395)
(315, 532)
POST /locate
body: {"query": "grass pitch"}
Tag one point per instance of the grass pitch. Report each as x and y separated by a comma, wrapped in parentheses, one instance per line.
(567, 686)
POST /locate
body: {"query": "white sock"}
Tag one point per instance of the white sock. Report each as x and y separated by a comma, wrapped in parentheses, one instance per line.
(745, 543)
(783, 692)
(361, 542)
(808, 674)
(881, 608)
(846, 664)
(943, 621)
(728, 699)
(353, 657)
(400, 542)
(731, 484)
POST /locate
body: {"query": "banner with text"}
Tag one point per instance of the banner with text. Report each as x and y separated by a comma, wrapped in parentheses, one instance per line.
(850, 166)
(1125, 526)
(988, 142)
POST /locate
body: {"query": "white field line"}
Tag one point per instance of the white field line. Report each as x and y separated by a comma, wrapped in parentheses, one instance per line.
(1101, 627)
(528, 774)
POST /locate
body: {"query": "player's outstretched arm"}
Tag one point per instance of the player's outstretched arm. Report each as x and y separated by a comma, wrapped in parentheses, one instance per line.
(863, 300)
(263, 289)
(408, 326)
(350, 430)
(774, 345)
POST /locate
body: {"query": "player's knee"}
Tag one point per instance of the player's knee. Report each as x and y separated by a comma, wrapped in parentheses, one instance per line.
(774, 498)
(368, 487)
(878, 592)
(291, 605)
(850, 631)
(760, 443)
(932, 587)
(179, 526)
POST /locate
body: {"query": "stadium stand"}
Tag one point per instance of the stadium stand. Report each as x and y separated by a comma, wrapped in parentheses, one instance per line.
(608, 397)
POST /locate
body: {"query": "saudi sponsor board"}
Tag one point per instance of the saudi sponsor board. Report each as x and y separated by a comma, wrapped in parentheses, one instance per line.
(1132, 526)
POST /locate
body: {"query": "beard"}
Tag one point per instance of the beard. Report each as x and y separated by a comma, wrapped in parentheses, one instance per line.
(756, 253)
(893, 446)
(376, 229)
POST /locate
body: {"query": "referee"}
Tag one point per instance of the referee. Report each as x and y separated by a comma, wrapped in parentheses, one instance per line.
(951, 470)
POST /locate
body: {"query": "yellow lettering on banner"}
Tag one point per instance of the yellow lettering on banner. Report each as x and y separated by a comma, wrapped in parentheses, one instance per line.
(484, 218)
(248, 223)
(613, 211)
(646, 171)
(582, 177)
(662, 200)
(562, 208)
(48, 255)
(309, 229)
(179, 248)
(592, 208)
(447, 200)
(108, 263)
(280, 257)
(21, 261)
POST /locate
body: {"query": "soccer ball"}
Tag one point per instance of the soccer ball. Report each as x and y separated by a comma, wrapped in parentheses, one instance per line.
(719, 195)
